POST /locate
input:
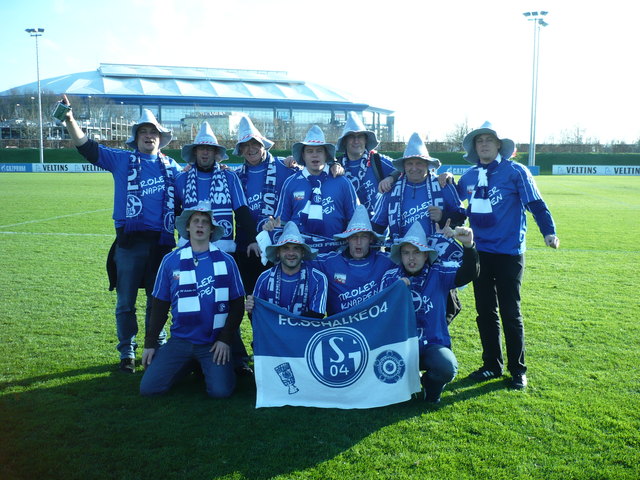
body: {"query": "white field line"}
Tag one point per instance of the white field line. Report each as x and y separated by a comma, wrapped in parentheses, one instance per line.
(55, 218)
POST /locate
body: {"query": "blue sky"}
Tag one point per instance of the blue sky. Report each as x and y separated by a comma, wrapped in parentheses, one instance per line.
(436, 63)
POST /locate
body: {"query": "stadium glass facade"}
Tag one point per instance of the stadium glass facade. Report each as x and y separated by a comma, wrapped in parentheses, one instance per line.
(183, 97)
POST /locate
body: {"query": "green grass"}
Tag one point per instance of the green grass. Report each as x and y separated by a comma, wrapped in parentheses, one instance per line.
(66, 414)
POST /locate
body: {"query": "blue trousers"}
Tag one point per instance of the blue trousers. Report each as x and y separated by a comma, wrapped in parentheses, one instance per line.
(175, 359)
(440, 365)
(137, 265)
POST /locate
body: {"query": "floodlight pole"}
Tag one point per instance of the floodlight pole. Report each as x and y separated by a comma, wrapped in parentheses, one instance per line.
(37, 32)
(537, 19)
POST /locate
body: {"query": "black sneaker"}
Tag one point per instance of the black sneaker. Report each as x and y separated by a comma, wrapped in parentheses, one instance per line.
(483, 374)
(519, 381)
(428, 396)
(128, 365)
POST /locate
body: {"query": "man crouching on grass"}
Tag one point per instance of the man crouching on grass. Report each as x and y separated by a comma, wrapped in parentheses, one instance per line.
(202, 286)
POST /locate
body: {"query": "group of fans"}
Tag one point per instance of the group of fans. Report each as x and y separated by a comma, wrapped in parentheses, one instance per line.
(315, 234)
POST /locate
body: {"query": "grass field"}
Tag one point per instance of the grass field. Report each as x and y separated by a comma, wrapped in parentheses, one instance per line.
(65, 413)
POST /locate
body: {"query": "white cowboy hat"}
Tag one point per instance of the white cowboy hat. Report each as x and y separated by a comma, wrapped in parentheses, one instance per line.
(204, 206)
(290, 234)
(148, 117)
(416, 149)
(507, 146)
(204, 137)
(355, 125)
(416, 237)
(247, 131)
(359, 223)
(315, 137)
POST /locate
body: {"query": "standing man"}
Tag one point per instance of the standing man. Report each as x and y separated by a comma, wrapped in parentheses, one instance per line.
(417, 196)
(354, 274)
(292, 283)
(317, 202)
(430, 283)
(206, 181)
(499, 191)
(143, 214)
(201, 284)
(364, 167)
(262, 176)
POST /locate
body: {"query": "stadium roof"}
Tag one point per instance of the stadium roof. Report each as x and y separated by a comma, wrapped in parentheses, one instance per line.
(171, 85)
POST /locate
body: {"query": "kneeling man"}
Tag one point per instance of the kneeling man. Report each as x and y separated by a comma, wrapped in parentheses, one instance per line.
(292, 283)
(430, 284)
(202, 286)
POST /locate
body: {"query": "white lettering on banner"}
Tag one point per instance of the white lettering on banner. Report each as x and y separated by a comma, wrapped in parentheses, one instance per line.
(13, 168)
(372, 312)
(596, 170)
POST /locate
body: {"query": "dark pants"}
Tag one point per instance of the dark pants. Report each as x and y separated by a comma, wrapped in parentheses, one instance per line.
(136, 258)
(498, 289)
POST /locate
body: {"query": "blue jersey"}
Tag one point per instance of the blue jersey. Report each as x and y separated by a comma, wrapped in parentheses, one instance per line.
(236, 197)
(399, 209)
(429, 291)
(166, 289)
(364, 180)
(316, 291)
(223, 203)
(511, 188)
(351, 281)
(151, 181)
(262, 190)
(338, 203)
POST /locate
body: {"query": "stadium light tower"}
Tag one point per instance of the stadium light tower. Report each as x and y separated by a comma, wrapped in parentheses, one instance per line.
(37, 32)
(538, 21)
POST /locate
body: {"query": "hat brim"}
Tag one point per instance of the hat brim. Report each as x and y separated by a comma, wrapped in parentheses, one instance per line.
(371, 144)
(266, 143)
(507, 146)
(271, 251)
(433, 163)
(165, 135)
(396, 257)
(345, 235)
(217, 231)
(189, 157)
(296, 150)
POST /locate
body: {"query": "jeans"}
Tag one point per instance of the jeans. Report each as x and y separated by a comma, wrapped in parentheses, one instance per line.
(498, 288)
(175, 359)
(137, 265)
(441, 367)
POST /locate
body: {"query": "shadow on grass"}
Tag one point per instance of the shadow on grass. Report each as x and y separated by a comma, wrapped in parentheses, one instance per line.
(67, 426)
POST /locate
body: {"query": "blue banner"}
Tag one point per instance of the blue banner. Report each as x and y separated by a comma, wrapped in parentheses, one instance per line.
(364, 357)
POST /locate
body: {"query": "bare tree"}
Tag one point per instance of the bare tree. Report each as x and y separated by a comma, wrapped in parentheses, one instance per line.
(456, 136)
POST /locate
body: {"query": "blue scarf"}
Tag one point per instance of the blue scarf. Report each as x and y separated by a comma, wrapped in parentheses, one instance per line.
(188, 297)
(301, 293)
(268, 194)
(134, 221)
(480, 211)
(396, 205)
(219, 196)
(367, 197)
(311, 214)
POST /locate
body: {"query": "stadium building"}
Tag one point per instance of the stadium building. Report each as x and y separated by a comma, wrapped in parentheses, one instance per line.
(108, 99)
